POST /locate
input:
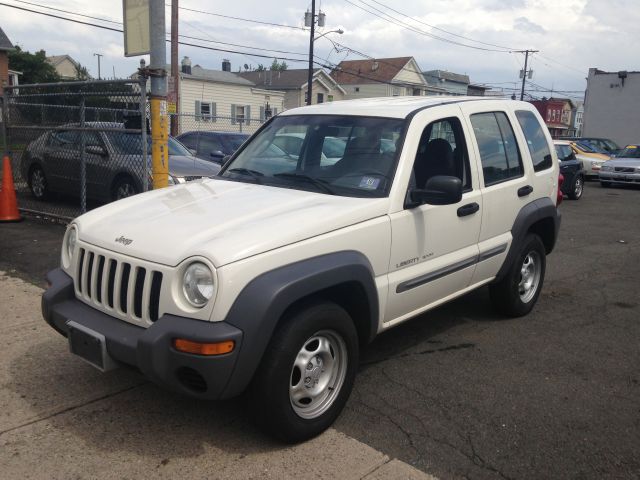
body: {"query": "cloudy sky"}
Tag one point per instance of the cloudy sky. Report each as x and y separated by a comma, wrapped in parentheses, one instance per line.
(572, 35)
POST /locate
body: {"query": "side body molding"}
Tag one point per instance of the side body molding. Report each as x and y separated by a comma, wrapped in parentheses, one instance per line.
(540, 209)
(263, 301)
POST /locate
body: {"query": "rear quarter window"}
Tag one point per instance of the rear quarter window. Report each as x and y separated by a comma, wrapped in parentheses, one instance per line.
(536, 140)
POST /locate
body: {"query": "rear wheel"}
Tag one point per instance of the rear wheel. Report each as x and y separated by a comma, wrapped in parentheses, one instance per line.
(516, 294)
(38, 183)
(306, 374)
(577, 188)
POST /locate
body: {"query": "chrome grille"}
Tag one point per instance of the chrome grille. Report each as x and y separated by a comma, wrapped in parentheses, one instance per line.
(625, 169)
(124, 289)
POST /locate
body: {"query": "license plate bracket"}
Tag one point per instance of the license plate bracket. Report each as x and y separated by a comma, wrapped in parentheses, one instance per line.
(90, 346)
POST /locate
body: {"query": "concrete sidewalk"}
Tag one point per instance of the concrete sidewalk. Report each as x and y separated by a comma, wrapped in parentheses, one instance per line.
(63, 419)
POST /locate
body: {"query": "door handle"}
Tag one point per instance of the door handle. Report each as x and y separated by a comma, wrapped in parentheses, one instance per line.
(524, 191)
(468, 209)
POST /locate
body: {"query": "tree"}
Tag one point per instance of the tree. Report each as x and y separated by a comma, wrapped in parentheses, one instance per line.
(277, 66)
(260, 68)
(34, 66)
(82, 73)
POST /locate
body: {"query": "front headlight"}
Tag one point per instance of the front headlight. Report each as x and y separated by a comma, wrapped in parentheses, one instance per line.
(69, 246)
(197, 284)
(596, 165)
(606, 168)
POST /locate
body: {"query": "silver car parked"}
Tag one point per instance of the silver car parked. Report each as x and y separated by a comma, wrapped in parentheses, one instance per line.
(625, 168)
(114, 163)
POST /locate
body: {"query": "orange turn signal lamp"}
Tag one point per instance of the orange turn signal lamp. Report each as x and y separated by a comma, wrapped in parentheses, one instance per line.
(198, 348)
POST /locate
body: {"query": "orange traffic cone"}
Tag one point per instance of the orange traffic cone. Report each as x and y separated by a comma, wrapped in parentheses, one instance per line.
(8, 202)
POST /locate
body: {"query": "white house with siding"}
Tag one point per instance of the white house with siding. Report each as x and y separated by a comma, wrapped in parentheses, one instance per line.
(223, 101)
(383, 77)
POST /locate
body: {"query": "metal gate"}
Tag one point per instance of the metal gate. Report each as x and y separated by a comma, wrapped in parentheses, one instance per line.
(76, 145)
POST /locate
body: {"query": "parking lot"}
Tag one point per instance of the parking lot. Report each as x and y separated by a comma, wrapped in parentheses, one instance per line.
(457, 393)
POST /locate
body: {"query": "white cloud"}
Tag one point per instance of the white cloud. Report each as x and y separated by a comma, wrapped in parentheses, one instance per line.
(576, 34)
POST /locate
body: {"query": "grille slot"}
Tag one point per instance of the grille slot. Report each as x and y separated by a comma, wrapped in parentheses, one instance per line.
(625, 169)
(123, 289)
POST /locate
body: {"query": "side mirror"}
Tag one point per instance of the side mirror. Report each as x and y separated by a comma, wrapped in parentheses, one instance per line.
(217, 154)
(96, 150)
(439, 190)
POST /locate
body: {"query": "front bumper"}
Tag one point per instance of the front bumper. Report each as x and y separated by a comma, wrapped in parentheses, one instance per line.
(150, 350)
(631, 178)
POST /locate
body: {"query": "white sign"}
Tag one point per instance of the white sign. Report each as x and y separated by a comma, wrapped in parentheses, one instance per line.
(137, 31)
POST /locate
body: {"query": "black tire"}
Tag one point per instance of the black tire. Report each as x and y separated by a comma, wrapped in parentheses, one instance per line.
(577, 188)
(509, 295)
(271, 396)
(38, 183)
(604, 184)
(123, 187)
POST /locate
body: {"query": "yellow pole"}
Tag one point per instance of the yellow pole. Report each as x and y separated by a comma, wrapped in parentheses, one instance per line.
(159, 139)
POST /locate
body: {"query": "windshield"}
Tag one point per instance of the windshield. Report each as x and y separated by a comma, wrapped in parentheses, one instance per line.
(235, 141)
(338, 155)
(131, 144)
(630, 151)
(587, 147)
(611, 145)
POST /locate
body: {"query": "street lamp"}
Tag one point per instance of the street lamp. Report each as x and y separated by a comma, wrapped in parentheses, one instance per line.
(98, 55)
(310, 20)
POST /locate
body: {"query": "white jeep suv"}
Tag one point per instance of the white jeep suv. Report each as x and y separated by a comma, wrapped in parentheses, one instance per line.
(270, 277)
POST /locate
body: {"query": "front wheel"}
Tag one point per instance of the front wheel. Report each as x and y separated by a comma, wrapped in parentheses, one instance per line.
(577, 188)
(123, 187)
(306, 374)
(516, 294)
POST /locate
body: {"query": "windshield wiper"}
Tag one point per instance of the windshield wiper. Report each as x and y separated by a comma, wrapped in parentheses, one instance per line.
(247, 171)
(321, 184)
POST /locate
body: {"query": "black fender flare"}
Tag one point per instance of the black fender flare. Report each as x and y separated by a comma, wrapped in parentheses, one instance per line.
(528, 215)
(260, 305)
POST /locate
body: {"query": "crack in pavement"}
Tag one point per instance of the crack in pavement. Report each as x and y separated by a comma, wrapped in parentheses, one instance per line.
(460, 346)
(73, 407)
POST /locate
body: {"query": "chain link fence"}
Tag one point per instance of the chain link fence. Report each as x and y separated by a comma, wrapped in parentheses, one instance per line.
(75, 145)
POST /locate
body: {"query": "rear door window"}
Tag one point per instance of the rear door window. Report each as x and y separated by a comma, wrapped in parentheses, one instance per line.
(536, 140)
(499, 152)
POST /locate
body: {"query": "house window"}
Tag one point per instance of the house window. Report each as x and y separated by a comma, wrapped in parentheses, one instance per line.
(356, 89)
(240, 113)
(417, 92)
(396, 91)
(320, 98)
(329, 98)
(205, 111)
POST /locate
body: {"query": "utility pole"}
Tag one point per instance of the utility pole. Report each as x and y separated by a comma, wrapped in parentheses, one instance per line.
(158, 74)
(175, 70)
(524, 72)
(310, 73)
(98, 55)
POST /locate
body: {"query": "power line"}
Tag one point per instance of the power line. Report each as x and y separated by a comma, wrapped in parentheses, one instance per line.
(239, 18)
(104, 27)
(69, 12)
(440, 29)
(183, 36)
(409, 27)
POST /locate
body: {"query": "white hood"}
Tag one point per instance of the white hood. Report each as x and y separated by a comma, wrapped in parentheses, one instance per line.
(221, 220)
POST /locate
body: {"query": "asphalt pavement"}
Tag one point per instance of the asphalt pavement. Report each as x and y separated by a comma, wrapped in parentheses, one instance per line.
(459, 392)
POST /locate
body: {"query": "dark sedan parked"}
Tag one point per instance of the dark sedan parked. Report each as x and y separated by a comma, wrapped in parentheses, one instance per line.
(213, 146)
(114, 164)
(572, 171)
